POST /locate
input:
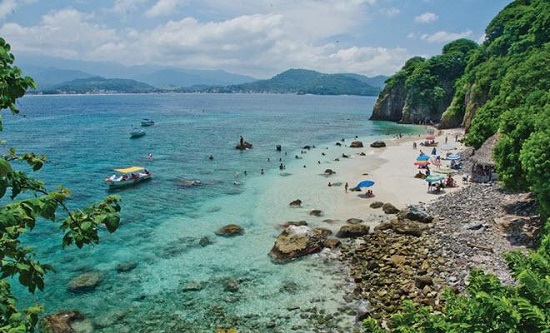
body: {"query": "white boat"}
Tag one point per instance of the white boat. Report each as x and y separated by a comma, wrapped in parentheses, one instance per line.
(128, 177)
(136, 133)
(147, 122)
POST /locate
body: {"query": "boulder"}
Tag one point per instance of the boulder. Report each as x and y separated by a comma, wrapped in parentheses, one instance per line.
(376, 204)
(316, 212)
(406, 228)
(295, 242)
(230, 230)
(356, 144)
(329, 172)
(416, 213)
(354, 220)
(378, 144)
(352, 230)
(294, 223)
(85, 282)
(65, 322)
(388, 208)
(296, 203)
(332, 243)
(126, 266)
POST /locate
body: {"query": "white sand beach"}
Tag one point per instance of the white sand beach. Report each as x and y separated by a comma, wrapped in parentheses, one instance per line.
(391, 168)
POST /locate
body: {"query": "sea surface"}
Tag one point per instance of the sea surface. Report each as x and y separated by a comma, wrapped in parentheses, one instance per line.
(179, 284)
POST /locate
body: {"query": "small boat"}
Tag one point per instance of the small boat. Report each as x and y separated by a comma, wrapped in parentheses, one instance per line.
(128, 177)
(137, 133)
(147, 122)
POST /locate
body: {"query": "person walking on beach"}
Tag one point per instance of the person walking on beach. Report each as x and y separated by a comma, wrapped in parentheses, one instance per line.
(346, 187)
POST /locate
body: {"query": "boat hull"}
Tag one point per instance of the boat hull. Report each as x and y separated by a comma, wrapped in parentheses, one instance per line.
(117, 184)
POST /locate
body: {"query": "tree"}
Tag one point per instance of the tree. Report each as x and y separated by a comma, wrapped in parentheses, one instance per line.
(28, 201)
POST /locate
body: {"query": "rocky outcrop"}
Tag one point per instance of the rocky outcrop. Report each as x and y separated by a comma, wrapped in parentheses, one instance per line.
(65, 322)
(298, 241)
(230, 230)
(352, 230)
(356, 144)
(85, 282)
(378, 144)
(390, 103)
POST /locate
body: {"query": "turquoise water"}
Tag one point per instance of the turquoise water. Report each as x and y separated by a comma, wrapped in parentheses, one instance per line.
(163, 220)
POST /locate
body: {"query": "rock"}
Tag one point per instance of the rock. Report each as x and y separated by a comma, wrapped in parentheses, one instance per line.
(353, 230)
(356, 144)
(193, 286)
(406, 228)
(332, 243)
(125, 267)
(354, 220)
(316, 212)
(422, 281)
(296, 203)
(329, 172)
(378, 144)
(376, 204)
(65, 322)
(85, 282)
(474, 225)
(295, 242)
(416, 213)
(388, 208)
(230, 230)
(294, 223)
(204, 241)
(231, 285)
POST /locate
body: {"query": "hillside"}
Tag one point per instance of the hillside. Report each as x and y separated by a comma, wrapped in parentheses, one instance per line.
(301, 81)
(98, 85)
(175, 78)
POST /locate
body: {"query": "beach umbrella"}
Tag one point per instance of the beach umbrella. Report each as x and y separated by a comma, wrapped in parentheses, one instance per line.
(365, 183)
(453, 157)
(447, 147)
(422, 163)
(434, 178)
(430, 137)
(423, 157)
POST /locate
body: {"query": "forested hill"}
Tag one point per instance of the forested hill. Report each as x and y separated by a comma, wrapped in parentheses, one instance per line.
(301, 81)
(98, 85)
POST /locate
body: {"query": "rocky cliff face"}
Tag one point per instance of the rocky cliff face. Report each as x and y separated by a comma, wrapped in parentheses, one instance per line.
(390, 103)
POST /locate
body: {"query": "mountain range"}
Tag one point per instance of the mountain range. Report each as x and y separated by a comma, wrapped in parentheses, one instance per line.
(115, 78)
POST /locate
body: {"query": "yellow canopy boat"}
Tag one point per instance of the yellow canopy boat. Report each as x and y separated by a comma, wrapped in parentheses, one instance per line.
(128, 176)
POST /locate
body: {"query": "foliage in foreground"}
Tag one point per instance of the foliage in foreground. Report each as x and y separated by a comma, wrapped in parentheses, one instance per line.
(487, 305)
(25, 201)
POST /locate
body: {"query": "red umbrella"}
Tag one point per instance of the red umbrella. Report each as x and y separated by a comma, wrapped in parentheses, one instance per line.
(430, 137)
(422, 163)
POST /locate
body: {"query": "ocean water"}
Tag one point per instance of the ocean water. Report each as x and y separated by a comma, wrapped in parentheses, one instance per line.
(188, 199)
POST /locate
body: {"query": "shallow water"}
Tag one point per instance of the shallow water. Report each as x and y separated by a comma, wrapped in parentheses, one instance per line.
(163, 220)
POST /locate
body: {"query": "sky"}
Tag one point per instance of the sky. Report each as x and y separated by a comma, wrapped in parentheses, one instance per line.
(250, 37)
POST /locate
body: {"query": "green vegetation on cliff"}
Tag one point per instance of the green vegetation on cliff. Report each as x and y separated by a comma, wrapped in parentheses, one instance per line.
(95, 85)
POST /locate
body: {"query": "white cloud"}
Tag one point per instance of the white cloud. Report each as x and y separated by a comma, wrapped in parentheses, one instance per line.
(390, 12)
(126, 6)
(426, 18)
(444, 36)
(162, 7)
(9, 6)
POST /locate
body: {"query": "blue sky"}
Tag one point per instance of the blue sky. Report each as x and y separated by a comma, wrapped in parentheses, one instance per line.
(251, 37)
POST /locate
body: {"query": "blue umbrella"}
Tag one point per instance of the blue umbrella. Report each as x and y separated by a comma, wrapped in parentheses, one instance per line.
(365, 183)
(423, 157)
(453, 157)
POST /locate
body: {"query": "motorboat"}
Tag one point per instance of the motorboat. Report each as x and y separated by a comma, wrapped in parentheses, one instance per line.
(130, 176)
(137, 133)
(147, 122)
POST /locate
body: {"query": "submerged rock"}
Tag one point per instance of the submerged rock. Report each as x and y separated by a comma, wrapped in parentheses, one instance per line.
(230, 230)
(69, 321)
(297, 241)
(85, 282)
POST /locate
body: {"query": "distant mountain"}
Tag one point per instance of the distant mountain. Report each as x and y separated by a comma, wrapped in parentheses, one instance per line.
(377, 81)
(47, 78)
(175, 78)
(98, 85)
(302, 81)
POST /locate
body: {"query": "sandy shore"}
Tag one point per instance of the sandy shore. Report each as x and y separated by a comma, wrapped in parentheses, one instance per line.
(391, 168)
